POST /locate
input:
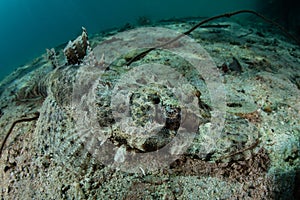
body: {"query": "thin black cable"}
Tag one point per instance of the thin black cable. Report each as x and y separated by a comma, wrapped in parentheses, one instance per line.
(12, 127)
(144, 53)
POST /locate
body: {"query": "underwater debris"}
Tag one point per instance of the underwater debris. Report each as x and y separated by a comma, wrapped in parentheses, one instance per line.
(75, 51)
(126, 27)
(143, 21)
(234, 66)
(296, 80)
(52, 57)
(253, 117)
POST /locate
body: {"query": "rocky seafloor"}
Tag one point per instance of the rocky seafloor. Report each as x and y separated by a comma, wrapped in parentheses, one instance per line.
(215, 115)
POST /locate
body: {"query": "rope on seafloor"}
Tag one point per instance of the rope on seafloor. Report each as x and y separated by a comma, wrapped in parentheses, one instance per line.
(35, 117)
(144, 53)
